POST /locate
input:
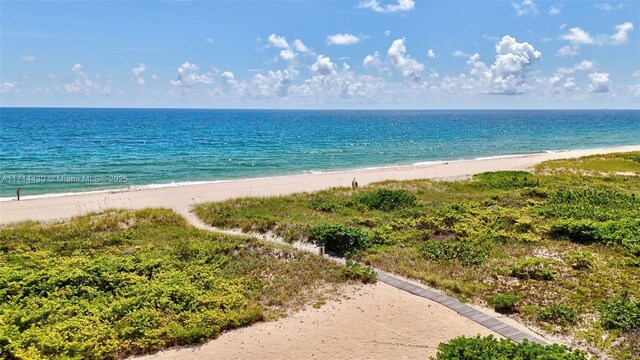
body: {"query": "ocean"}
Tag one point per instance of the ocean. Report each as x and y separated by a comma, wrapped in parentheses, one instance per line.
(48, 151)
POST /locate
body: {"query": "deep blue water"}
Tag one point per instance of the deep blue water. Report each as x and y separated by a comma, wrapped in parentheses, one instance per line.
(60, 150)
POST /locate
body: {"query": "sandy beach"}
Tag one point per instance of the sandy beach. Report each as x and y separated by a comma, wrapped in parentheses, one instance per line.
(182, 198)
(372, 322)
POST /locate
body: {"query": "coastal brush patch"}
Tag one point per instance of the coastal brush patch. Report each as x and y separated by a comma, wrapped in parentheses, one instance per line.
(360, 272)
(568, 234)
(118, 283)
(490, 348)
(339, 238)
(534, 268)
(622, 312)
(387, 199)
(467, 253)
(558, 314)
(505, 303)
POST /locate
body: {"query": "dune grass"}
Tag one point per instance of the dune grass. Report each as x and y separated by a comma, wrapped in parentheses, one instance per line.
(564, 240)
(113, 284)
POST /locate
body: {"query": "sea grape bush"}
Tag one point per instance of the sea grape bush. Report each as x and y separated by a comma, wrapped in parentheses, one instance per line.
(387, 199)
(339, 238)
(489, 348)
(506, 180)
(558, 314)
(622, 312)
(505, 303)
(355, 270)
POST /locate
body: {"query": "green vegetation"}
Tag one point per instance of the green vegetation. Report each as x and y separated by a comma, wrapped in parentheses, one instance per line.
(565, 238)
(505, 303)
(109, 285)
(339, 238)
(489, 348)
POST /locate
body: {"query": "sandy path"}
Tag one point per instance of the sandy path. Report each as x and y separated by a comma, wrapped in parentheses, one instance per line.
(375, 322)
(182, 198)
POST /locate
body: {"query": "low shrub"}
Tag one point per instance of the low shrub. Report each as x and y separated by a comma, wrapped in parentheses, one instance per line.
(592, 203)
(466, 252)
(505, 303)
(581, 260)
(387, 200)
(489, 348)
(506, 180)
(624, 232)
(533, 268)
(357, 271)
(558, 314)
(622, 312)
(339, 238)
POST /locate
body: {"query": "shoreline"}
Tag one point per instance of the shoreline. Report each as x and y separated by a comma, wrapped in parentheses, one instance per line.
(181, 197)
(304, 173)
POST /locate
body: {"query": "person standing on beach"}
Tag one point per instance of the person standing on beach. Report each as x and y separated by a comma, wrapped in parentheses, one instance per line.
(18, 193)
(354, 183)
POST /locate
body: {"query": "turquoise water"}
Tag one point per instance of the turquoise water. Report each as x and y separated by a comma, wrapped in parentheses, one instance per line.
(46, 151)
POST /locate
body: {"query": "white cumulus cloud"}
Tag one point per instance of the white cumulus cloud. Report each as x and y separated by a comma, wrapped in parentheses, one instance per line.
(188, 76)
(577, 37)
(323, 66)
(599, 82)
(555, 9)
(608, 7)
(29, 58)
(287, 55)
(342, 39)
(507, 74)
(525, 7)
(7, 87)
(622, 35)
(136, 74)
(301, 47)
(400, 5)
(460, 53)
(398, 57)
(567, 51)
(278, 41)
(581, 66)
(431, 54)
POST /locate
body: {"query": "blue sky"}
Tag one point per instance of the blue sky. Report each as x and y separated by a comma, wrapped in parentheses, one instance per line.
(320, 54)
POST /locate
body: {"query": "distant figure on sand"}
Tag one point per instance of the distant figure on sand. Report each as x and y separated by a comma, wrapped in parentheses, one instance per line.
(354, 183)
(18, 193)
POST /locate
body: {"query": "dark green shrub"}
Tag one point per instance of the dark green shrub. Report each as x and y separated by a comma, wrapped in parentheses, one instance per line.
(466, 252)
(357, 271)
(387, 200)
(506, 180)
(325, 205)
(625, 232)
(558, 314)
(622, 312)
(534, 268)
(339, 238)
(505, 303)
(489, 348)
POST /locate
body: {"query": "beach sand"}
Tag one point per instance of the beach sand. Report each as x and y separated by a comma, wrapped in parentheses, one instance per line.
(374, 322)
(182, 198)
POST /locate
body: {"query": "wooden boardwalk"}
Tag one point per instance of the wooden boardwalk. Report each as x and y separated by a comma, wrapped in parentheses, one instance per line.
(463, 309)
